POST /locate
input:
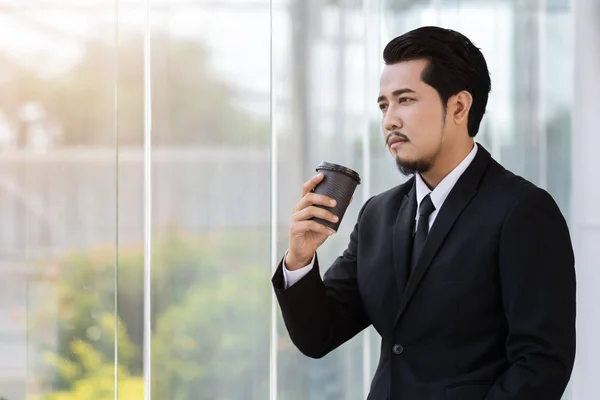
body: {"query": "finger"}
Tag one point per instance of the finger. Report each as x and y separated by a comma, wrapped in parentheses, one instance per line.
(313, 226)
(312, 212)
(310, 184)
(314, 199)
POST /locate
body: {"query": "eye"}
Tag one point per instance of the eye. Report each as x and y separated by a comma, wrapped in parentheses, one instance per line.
(382, 106)
(402, 100)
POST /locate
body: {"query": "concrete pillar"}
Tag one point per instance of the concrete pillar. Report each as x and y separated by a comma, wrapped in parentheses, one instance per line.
(585, 222)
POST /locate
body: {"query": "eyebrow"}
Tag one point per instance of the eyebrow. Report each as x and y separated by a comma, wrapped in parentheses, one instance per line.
(396, 93)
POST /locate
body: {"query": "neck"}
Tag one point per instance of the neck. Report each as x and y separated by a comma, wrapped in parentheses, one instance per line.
(445, 163)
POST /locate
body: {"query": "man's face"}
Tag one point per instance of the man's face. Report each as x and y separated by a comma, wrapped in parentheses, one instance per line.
(412, 116)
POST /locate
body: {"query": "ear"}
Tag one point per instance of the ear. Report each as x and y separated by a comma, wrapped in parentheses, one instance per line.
(460, 106)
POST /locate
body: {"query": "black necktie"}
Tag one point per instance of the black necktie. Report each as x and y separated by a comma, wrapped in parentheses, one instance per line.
(425, 209)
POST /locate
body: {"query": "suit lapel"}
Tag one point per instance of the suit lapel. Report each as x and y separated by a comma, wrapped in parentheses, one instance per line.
(402, 238)
(459, 197)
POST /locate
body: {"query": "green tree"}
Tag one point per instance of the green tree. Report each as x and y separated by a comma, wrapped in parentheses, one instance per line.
(91, 376)
(215, 343)
(210, 315)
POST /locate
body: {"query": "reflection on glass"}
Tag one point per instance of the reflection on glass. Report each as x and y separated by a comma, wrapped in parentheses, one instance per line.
(58, 209)
(211, 168)
(319, 97)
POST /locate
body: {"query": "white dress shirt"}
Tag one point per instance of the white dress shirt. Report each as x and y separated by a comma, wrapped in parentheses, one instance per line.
(438, 196)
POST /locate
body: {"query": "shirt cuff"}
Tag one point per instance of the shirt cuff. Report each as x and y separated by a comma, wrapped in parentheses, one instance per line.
(291, 277)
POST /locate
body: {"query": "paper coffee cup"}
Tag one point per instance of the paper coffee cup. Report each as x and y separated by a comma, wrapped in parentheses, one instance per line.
(339, 183)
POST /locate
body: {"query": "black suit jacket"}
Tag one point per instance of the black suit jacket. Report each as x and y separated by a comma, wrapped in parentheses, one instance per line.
(489, 311)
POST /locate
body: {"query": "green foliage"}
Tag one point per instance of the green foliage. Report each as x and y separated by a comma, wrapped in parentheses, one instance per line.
(210, 318)
(92, 377)
(215, 343)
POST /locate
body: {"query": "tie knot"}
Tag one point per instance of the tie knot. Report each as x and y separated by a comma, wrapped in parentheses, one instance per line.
(426, 207)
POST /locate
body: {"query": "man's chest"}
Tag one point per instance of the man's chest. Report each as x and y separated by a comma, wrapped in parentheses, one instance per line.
(464, 263)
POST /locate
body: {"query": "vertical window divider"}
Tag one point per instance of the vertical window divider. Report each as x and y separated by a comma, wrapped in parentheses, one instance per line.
(147, 349)
(273, 217)
(116, 127)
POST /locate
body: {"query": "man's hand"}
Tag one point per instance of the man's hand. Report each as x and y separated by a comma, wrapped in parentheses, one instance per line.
(306, 235)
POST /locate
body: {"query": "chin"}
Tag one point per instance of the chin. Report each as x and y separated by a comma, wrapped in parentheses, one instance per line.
(403, 153)
(409, 166)
(404, 156)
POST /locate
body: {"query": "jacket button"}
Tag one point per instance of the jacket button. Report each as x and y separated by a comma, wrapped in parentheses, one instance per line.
(397, 349)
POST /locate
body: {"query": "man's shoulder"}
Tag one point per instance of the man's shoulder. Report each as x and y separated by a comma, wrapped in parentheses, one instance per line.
(501, 183)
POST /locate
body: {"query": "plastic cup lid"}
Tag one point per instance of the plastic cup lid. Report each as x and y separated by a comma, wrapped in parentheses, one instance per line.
(339, 168)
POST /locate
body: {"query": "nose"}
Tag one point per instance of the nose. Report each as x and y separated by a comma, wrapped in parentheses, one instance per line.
(391, 122)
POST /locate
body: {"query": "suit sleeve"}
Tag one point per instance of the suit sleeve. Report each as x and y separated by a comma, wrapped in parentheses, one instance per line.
(537, 278)
(322, 314)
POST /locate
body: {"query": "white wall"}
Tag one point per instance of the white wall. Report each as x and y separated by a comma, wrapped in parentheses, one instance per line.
(586, 196)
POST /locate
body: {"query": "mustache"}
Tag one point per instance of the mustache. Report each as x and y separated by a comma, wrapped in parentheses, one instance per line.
(395, 134)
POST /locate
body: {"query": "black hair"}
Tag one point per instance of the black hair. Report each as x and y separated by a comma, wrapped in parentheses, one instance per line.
(455, 64)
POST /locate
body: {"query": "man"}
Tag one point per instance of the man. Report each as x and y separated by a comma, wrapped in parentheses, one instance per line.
(466, 270)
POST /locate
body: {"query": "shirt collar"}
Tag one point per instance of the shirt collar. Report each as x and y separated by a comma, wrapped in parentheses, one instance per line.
(442, 190)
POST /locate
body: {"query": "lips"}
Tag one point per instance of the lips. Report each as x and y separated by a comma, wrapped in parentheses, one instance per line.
(395, 140)
(396, 145)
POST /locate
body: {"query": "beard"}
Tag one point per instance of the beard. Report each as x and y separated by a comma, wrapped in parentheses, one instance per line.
(408, 168)
(420, 166)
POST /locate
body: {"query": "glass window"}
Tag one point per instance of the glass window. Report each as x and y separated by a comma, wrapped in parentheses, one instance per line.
(150, 156)
(58, 202)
